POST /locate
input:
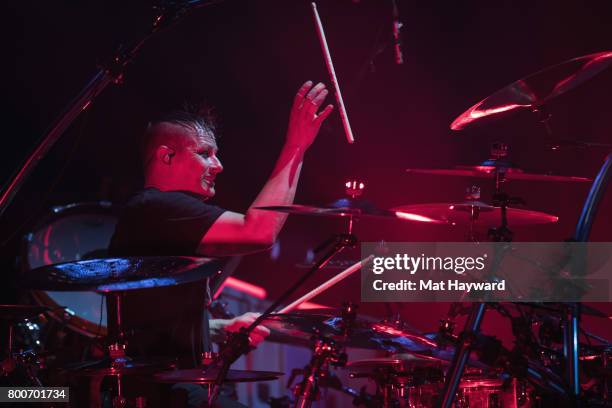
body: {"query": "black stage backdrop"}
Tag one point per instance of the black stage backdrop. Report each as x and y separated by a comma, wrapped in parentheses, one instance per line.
(247, 58)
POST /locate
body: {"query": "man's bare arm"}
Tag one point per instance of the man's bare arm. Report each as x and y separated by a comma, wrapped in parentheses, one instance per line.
(234, 233)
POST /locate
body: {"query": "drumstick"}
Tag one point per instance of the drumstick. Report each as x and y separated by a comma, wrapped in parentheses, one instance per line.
(332, 74)
(322, 288)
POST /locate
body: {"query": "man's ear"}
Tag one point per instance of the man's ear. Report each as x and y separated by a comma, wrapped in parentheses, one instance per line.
(165, 154)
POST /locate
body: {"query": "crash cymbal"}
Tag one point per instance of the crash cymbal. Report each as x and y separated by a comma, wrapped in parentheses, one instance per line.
(346, 207)
(120, 274)
(359, 333)
(21, 312)
(535, 90)
(489, 168)
(461, 213)
(207, 376)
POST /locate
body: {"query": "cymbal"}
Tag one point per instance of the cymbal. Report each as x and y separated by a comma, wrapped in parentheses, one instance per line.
(362, 333)
(345, 207)
(398, 362)
(488, 169)
(442, 356)
(103, 368)
(20, 312)
(484, 214)
(207, 376)
(535, 90)
(406, 362)
(120, 274)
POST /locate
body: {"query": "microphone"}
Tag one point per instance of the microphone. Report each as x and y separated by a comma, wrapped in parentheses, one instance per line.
(397, 40)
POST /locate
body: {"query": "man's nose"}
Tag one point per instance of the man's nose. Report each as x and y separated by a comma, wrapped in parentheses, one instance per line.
(217, 167)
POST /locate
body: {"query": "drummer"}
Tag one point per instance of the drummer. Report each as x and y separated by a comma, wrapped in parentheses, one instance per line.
(171, 216)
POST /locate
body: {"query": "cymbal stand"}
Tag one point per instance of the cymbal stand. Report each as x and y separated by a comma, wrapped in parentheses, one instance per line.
(472, 325)
(24, 359)
(325, 352)
(462, 352)
(473, 194)
(237, 343)
(116, 348)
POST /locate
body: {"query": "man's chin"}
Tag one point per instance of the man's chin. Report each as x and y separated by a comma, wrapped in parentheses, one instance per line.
(208, 192)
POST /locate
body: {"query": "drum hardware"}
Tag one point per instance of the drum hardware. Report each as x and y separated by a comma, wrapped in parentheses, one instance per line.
(326, 352)
(352, 207)
(330, 380)
(401, 382)
(497, 216)
(474, 213)
(583, 229)
(108, 275)
(237, 343)
(486, 170)
(117, 363)
(367, 334)
(71, 232)
(113, 276)
(25, 361)
(498, 168)
(208, 375)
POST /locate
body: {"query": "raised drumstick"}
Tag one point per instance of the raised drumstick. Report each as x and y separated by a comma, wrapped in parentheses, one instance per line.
(332, 74)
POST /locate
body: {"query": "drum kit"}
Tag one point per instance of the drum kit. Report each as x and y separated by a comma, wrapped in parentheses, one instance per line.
(447, 369)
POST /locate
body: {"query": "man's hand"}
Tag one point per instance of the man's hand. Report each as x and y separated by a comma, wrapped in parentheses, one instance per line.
(238, 234)
(233, 325)
(304, 122)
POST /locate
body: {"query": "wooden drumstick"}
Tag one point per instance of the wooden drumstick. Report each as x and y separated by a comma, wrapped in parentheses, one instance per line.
(323, 287)
(332, 74)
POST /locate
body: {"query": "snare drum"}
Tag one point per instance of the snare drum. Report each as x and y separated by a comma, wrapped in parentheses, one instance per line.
(70, 233)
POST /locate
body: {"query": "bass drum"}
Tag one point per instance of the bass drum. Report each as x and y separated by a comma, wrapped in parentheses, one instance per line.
(71, 233)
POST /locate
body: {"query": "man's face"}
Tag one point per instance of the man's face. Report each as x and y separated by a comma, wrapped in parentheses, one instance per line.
(196, 163)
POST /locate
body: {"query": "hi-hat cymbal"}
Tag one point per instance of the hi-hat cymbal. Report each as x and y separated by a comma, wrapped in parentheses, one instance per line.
(466, 212)
(21, 312)
(535, 90)
(120, 274)
(345, 207)
(208, 376)
(489, 168)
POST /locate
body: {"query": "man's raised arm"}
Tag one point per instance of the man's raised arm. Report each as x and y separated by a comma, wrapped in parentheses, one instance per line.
(234, 233)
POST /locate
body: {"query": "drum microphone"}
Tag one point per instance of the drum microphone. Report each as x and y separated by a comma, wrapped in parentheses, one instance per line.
(397, 39)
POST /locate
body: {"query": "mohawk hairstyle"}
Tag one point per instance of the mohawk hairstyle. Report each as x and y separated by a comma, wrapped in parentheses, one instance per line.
(192, 116)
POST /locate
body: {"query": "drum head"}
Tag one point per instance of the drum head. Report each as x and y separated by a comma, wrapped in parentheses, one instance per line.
(70, 233)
